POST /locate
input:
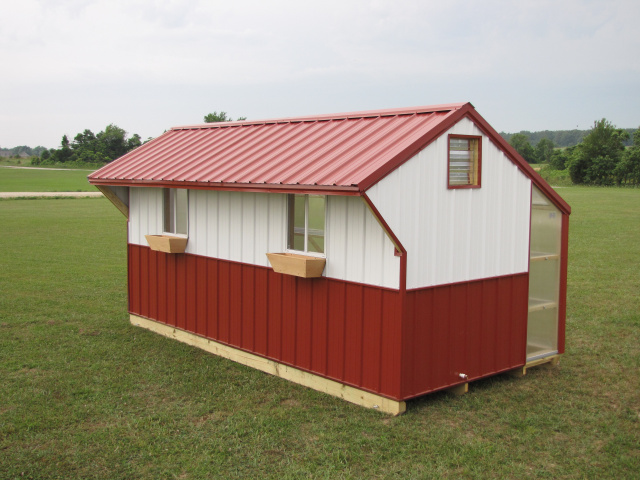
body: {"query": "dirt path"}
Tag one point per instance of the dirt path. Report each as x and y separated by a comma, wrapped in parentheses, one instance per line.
(49, 194)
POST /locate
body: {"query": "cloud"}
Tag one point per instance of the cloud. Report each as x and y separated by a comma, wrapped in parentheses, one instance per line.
(170, 59)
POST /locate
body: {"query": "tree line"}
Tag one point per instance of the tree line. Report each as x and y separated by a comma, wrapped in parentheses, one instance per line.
(603, 155)
(21, 151)
(560, 138)
(87, 147)
(600, 158)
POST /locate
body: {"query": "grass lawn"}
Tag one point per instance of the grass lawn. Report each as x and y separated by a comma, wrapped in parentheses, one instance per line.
(41, 180)
(86, 395)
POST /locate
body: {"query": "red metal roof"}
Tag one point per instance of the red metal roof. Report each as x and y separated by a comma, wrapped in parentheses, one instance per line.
(331, 152)
(341, 153)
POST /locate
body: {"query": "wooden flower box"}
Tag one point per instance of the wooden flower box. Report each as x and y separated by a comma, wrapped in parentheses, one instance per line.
(166, 243)
(297, 265)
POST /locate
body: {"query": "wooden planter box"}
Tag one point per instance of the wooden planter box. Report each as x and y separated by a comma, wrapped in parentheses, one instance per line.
(166, 243)
(298, 265)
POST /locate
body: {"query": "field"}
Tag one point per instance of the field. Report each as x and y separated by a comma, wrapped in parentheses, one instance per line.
(86, 395)
(44, 180)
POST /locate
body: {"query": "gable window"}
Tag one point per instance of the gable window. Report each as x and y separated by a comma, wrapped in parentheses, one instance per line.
(465, 154)
(176, 210)
(306, 223)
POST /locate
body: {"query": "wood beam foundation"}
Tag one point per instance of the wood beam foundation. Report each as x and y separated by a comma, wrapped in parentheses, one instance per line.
(321, 384)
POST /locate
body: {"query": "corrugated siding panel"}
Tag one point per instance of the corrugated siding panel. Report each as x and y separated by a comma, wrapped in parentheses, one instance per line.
(145, 214)
(243, 227)
(358, 250)
(460, 234)
(347, 332)
(477, 328)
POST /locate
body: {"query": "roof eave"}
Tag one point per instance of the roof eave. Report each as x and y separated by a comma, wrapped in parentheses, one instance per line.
(349, 190)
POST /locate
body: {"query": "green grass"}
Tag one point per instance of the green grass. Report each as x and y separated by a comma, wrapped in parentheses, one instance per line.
(86, 395)
(37, 180)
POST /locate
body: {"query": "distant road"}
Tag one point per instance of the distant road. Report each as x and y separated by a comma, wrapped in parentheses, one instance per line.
(49, 194)
(43, 168)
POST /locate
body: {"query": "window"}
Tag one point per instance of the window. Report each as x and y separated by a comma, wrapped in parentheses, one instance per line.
(464, 161)
(305, 231)
(176, 211)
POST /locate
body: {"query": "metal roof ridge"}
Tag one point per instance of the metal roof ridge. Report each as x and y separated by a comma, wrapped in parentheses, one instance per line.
(330, 116)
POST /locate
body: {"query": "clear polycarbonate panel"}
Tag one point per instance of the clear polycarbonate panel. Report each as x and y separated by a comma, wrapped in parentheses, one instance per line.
(315, 238)
(542, 332)
(296, 233)
(546, 222)
(543, 280)
(544, 276)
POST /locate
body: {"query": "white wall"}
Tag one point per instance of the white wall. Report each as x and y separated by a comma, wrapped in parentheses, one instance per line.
(459, 234)
(358, 249)
(243, 227)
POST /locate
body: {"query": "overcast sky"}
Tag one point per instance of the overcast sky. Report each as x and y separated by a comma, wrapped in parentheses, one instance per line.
(147, 65)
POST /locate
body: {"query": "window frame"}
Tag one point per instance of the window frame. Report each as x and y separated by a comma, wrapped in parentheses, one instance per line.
(477, 183)
(290, 217)
(167, 215)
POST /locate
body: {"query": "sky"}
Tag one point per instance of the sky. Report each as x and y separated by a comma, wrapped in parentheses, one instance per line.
(148, 65)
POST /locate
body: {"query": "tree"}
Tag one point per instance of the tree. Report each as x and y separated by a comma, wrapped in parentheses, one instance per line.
(520, 142)
(544, 150)
(89, 148)
(628, 169)
(560, 158)
(112, 143)
(220, 117)
(596, 157)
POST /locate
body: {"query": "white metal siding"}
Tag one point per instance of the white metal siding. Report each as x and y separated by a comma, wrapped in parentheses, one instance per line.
(145, 214)
(243, 227)
(358, 249)
(455, 235)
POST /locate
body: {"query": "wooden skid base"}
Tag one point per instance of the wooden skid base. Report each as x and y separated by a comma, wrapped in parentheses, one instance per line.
(459, 389)
(321, 384)
(522, 371)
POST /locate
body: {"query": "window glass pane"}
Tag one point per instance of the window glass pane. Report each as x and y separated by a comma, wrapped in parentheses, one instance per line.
(463, 161)
(316, 224)
(296, 222)
(181, 211)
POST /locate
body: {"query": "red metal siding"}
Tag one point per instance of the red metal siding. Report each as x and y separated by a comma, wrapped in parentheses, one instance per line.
(476, 328)
(347, 332)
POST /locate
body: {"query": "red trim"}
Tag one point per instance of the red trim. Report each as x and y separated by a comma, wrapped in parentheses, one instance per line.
(237, 187)
(478, 183)
(562, 301)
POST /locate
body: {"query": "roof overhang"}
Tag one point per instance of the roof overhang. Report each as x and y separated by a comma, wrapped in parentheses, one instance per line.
(237, 187)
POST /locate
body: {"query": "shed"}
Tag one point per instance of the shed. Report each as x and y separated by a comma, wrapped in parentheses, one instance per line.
(376, 256)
